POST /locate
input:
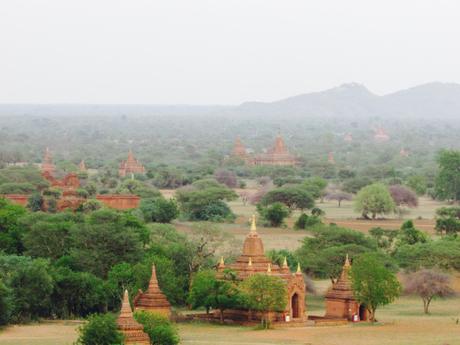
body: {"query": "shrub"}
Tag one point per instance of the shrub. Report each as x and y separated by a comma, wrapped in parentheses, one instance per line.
(304, 221)
(274, 214)
(100, 330)
(159, 210)
(160, 330)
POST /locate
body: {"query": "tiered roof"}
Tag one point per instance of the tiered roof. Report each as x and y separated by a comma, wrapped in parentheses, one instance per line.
(239, 150)
(153, 298)
(342, 289)
(131, 329)
(277, 155)
(131, 166)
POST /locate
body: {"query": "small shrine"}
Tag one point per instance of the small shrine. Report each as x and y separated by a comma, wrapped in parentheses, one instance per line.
(130, 166)
(330, 158)
(82, 166)
(340, 301)
(239, 150)
(252, 261)
(131, 329)
(153, 299)
(381, 135)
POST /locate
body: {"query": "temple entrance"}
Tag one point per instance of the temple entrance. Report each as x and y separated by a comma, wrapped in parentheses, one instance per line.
(362, 312)
(295, 306)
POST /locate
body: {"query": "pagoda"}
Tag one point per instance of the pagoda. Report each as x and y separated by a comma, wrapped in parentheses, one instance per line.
(330, 158)
(348, 138)
(340, 301)
(239, 150)
(381, 135)
(153, 299)
(131, 329)
(82, 166)
(253, 261)
(278, 155)
(130, 166)
(47, 167)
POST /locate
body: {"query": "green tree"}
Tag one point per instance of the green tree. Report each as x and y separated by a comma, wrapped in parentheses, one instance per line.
(10, 229)
(374, 199)
(447, 184)
(6, 305)
(139, 188)
(418, 184)
(293, 196)
(266, 294)
(410, 235)
(200, 291)
(159, 210)
(448, 220)
(274, 213)
(160, 330)
(100, 330)
(373, 284)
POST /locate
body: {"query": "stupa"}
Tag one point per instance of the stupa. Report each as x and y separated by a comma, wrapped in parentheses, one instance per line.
(130, 166)
(381, 135)
(153, 299)
(131, 329)
(340, 301)
(47, 167)
(252, 261)
(82, 166)
(239, 150)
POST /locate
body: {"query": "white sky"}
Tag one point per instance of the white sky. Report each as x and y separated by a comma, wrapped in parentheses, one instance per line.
(220, 51)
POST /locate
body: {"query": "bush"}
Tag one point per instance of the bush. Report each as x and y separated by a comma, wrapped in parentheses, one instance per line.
(100, 330)
(304, 221)
(160, 330)
(274, 214)
(159, 210)
(6, 305)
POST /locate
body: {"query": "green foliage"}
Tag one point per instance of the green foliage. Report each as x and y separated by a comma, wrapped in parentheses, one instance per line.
(35, 202)
(305, 221)
(374, 199)
(204, 200)
(200, 291)
(410, 235)
(17, 188)
(6, 304)
(100, 330)
(139, 188)
(448, 220)
(293, 196)
(22, 176)
(373, 284)
(274, 214)
(315, 186)
(448, 179)
(160, 330)
(159, 210)
(418, 184)
(264, 293)
(90, 206)
(10, 229)
(354, 185)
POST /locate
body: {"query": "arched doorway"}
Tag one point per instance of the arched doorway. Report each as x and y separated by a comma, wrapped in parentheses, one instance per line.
(295, 306)
(362, 312)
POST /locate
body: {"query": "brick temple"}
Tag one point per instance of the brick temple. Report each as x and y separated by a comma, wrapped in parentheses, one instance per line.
(130, 166)
(340, 301)
(153, 299)
(47, 166)
(131, 329)
(278, 155)
(252, 261)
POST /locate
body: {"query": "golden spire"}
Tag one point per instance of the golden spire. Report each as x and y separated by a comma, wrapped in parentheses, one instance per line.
(347, 262)
(269, 268)
(222, 262)
(285, 263)
(250, 262)
(125, 306)
(253, 225)
(299, 271)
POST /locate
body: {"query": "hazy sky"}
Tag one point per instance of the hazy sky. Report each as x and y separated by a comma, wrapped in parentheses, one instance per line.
(220, 51)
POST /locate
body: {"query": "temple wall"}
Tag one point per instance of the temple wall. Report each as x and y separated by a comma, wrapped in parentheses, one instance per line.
(342, 309)
(119, 201)
(19, 199)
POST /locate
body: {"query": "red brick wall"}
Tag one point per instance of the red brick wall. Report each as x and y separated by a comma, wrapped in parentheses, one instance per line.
(119, 201)
(19, 199)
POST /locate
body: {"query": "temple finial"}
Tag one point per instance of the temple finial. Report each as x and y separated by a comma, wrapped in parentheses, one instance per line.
(250, 262)
(347, 261)
(222, 261)
(269, 268)
(299, 271)
(285, 262)
(253, 224)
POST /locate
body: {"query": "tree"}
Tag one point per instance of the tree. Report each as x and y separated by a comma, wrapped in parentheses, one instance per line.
(428, 284)
(266, 294)
(138, 188)
(374, 199)
(316, 186)
(226, 177)
(373, 284)
(418, 184)
(355, 184)
(448, 220)
(159, 210)
(338, 196)
(403, 197)
(100, 330)
(293, 196)
(274, 213)
(6, 306)
(304, 221)
(410, 235)
(35, 202)
(200, 291)
(447, 184)
(159, 329)
(10, 229)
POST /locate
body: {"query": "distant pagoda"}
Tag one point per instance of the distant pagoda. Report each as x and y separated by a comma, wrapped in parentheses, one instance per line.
(278, 155)
(131, 329)
(82, 166)
(381, 135)
(348, 138)
(330, 158)
(340, 300)
(47, 167)
(153, 299)
(130, 166)
(239, 150)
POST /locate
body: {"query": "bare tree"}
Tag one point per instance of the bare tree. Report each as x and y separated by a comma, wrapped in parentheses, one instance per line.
(260, 193)
(428, 284)
(339, 196)
(244, 196)
(226, 177)
(403, 196)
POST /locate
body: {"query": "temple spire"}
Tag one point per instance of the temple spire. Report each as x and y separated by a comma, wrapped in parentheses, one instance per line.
(347, 262)
(253, 225)
(126, 310)
(250, 262)
(269, 268)
(285, 263)
(299, 271)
